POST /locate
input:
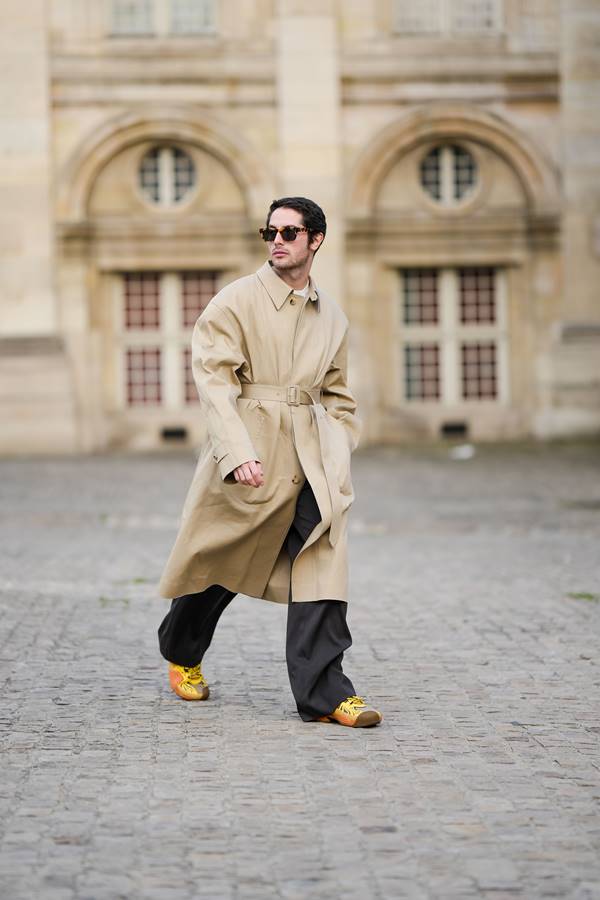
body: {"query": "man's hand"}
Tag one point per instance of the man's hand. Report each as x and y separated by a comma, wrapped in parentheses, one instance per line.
(250, 473)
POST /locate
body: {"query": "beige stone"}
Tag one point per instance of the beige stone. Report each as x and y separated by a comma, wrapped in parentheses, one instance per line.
(299, 97)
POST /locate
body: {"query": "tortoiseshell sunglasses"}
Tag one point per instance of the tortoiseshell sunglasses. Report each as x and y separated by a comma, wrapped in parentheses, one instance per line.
(288, 232)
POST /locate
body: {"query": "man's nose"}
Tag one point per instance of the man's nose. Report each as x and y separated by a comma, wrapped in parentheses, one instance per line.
(278, 238)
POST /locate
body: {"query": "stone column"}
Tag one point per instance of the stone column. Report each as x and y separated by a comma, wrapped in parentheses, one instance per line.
(580, 107)
(26, 243)
(575, 362)
(309, 161)
(36, 405)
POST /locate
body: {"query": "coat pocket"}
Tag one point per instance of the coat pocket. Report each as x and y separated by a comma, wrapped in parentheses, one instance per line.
(341, 456)
(262, 424)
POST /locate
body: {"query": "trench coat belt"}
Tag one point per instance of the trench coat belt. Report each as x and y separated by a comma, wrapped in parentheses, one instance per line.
(294, 395)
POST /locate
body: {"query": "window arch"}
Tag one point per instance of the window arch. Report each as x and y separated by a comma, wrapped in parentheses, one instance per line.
(537, 174)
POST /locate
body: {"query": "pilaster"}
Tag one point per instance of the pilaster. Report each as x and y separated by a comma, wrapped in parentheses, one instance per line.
(308, 87)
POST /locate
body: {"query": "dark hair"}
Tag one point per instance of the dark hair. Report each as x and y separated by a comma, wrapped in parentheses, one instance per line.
(313, 216)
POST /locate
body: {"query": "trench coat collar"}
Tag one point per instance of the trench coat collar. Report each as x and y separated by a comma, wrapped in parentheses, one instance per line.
(278, 290)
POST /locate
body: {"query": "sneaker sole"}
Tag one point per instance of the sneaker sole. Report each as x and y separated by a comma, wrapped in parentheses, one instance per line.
(363, 720)
(203, 696)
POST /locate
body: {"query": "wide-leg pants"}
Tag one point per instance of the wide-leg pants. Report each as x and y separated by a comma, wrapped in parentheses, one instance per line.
(317, 633)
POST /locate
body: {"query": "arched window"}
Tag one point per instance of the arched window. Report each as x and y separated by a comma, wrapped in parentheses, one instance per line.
(448, 173)
(166, 175)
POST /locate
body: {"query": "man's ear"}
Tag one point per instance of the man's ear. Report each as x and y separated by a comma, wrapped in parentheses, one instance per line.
(316, 240)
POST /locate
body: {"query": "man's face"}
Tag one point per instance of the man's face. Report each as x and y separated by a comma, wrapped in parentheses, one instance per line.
(295, 254)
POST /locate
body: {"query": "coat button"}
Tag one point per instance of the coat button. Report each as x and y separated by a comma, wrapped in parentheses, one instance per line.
(295, 479)
(292, 300)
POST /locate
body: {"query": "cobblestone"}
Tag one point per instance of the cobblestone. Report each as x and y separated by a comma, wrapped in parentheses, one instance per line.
(475, 612)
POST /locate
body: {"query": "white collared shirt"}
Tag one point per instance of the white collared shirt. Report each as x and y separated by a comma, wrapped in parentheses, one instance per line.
(302, 292)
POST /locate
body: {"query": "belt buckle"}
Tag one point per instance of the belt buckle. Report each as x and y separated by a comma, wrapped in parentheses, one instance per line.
(293, 395)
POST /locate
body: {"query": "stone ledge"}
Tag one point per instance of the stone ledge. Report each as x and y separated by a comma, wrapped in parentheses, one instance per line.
(39, 345)
(576, 332)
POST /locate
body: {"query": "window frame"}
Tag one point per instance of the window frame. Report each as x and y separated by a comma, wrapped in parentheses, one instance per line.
(162, 19)
(447, 172)
(171, 337)
(166, 178)
(443, 20)
(112, 13)
(450, 335)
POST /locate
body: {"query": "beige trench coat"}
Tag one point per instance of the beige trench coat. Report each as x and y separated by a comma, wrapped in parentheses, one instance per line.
(255, 337)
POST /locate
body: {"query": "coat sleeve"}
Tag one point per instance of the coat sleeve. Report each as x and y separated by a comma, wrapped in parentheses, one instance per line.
(217, 355)
(337, 398)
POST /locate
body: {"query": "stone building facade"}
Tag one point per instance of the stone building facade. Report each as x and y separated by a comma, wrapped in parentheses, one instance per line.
(454, 145)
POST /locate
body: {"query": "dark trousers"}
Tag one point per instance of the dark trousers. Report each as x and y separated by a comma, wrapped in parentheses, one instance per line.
(317, 633)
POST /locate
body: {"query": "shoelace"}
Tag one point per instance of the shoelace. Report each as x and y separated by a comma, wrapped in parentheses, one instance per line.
(354, 703)
(194, 675)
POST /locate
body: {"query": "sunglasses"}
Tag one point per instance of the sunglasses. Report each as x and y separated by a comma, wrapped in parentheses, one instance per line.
(288, 232)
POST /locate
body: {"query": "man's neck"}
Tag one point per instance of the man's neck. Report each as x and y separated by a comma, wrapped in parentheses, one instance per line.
(295, 278)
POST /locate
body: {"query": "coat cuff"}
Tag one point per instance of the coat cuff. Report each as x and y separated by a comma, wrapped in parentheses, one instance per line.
(231, 456)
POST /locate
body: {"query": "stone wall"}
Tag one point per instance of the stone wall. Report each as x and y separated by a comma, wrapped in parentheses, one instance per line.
(335, 101)
(35, 385)
(572, 378)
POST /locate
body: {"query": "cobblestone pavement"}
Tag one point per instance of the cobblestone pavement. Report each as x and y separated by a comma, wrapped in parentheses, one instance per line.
(475, 613)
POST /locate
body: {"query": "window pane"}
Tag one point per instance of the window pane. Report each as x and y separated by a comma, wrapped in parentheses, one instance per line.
(149, 175)
(143, 374)
(142, 300)
(479, 380)
(422, 371)
(424, 17)
(420, 299)
(132, 17)
(475, 16)
(193, 16)
(197, 290)
(190, 391)
(431, 177)
(477, 295)
(464, 172)
(184, 174)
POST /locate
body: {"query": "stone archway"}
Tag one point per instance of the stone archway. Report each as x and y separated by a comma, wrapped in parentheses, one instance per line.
(78, 175)
(115, 251)
(537, 174)
(397, 238)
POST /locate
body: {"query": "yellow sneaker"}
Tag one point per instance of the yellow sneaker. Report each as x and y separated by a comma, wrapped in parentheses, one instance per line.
(353, 711)
(188, 682)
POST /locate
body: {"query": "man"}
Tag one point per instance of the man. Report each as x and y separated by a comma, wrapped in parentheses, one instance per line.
(266, 512)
